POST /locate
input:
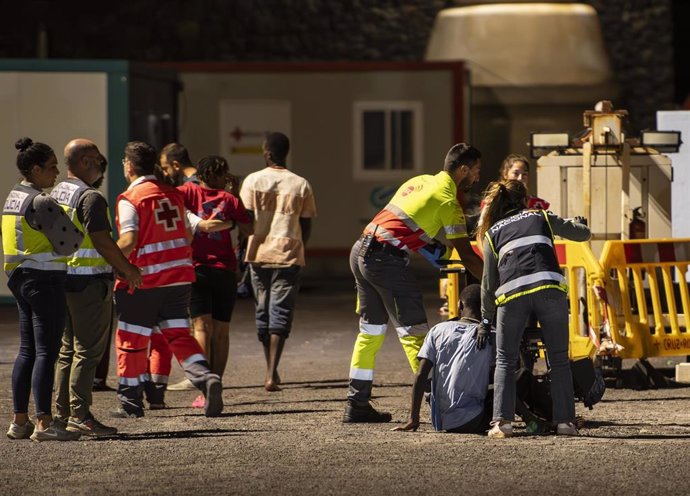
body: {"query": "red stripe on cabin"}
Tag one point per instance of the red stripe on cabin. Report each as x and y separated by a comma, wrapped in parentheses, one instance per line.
(667, 252)
(633, 253)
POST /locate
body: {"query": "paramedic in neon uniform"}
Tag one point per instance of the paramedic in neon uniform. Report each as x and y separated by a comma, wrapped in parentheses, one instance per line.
(423, 216)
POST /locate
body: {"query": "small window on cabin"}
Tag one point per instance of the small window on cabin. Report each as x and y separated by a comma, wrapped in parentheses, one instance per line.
(387, 140)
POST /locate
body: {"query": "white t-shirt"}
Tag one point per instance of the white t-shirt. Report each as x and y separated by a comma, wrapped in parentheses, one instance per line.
(278, 198)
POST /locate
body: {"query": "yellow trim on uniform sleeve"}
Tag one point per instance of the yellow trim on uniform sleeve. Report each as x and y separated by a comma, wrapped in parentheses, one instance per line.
(548, 223)
(491, 244)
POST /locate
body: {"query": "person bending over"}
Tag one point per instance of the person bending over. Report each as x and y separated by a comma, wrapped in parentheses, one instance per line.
(521, 277)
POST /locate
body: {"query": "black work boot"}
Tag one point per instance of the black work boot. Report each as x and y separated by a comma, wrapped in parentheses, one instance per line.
(121, 412)
(214, 396)
(364, 413)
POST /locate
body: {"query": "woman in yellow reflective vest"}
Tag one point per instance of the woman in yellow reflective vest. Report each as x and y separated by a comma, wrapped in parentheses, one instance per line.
(522, 277)
(36, 238)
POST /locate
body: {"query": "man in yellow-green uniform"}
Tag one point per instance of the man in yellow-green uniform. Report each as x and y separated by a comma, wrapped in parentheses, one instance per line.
(89, 288)
(423, 216)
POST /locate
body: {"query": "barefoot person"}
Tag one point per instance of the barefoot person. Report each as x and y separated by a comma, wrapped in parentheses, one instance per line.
(283, 205)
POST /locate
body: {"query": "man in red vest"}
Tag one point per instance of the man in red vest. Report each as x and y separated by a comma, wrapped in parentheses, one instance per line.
(154, 235)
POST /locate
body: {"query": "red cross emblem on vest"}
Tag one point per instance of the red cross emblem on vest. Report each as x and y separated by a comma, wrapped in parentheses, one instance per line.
(167, 214)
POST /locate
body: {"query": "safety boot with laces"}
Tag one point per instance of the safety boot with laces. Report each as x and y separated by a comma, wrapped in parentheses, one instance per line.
(355, 413)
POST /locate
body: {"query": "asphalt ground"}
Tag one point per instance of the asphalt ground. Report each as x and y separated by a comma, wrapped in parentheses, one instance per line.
(293, 441)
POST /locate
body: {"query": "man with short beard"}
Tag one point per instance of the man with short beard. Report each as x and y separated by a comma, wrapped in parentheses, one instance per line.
(155, 236)
(424, 216)
(176, 165)
(89, 288)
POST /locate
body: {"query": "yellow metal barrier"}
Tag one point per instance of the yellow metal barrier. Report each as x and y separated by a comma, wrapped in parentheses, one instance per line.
(584, 275)
(456, 282)
(643, 272)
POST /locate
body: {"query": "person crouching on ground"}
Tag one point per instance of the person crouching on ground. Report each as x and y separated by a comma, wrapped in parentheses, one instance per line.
(424, 216)
(461, 371)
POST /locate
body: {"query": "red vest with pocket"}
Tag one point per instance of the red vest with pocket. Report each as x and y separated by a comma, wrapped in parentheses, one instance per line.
(162, 252)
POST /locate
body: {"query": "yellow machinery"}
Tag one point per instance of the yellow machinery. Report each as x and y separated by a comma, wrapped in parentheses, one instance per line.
(604, 175)
(633, 300)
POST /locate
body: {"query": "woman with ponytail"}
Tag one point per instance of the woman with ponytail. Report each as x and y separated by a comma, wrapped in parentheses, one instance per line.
(37, 236)
(522, 277)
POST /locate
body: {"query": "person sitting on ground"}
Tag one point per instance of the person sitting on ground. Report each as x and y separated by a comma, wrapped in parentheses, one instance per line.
(461, 371)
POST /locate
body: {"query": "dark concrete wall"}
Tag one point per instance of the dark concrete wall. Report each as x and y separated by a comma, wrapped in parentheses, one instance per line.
(638, 34)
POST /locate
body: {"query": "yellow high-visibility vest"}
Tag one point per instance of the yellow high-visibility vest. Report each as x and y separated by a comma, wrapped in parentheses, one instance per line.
(22, 245)
(86, 260)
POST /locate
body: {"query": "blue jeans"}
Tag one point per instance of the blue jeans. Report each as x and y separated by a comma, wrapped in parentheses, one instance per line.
(41, 303)
(275, 290)
(551, 309)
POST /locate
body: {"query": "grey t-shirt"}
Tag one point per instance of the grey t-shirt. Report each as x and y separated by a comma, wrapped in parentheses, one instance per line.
(460, 377)
(92, 212)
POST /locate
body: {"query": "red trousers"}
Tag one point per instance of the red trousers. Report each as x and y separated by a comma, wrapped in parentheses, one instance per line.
(166, 308)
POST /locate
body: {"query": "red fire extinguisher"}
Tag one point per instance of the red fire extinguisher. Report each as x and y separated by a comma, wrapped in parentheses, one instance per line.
(637, 229)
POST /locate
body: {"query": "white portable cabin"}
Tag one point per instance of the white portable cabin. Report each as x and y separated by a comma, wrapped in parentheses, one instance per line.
(108, 101)
(357, 130)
